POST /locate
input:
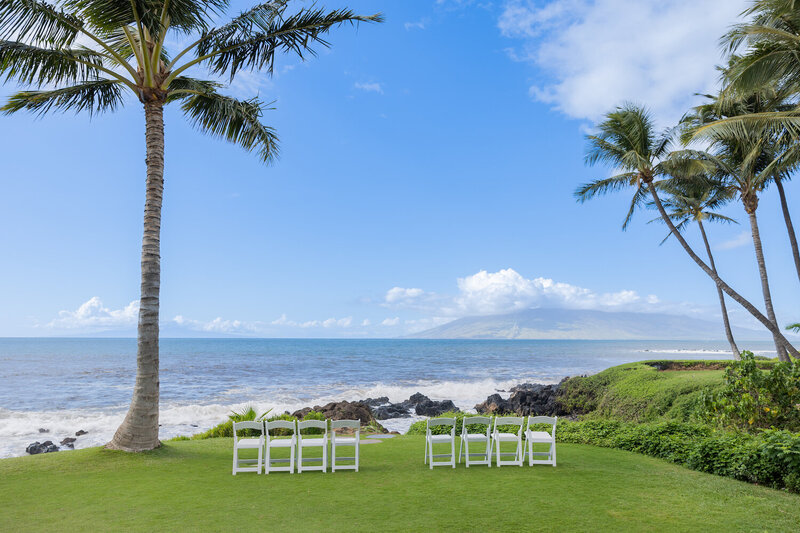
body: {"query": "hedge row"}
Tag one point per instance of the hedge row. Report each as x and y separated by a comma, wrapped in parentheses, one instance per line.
(770, 458)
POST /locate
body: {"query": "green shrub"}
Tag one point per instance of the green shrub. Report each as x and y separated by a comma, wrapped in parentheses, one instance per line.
(225, 429)
(770, 458)
(754, 399)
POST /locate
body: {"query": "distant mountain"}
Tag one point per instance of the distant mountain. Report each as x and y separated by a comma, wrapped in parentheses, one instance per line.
(586, 325)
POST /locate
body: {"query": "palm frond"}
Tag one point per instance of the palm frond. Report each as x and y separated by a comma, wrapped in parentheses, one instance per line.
(38, 22)
(238, 121)
(616, 183)
(183, 15)
(92, 96)
(36, 66)
(227, 54)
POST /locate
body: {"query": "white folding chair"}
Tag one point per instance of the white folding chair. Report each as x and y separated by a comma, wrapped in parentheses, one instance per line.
(345, 441)
(247, 443)
(312, 442)
(482, 439)
(541, 437)
(499, 437)
(274, 442)
(431, 439)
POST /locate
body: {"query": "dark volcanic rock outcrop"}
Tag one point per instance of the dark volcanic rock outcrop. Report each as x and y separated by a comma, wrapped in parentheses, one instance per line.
(527, 399)
(41, 447)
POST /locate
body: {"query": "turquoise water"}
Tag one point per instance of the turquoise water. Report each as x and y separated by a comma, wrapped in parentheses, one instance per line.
(60, 384)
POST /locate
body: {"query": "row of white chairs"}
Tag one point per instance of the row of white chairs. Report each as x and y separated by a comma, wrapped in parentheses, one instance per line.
(266, 442)
(489, 441)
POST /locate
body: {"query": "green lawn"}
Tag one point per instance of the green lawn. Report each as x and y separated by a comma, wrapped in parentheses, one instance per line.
(187, 485)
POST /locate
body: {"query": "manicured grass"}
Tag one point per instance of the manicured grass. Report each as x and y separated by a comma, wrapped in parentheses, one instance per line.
(640, 392)
(187, 485)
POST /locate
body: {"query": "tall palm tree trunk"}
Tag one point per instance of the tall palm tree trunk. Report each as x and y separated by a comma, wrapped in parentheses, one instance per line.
(725, 320)
(750, 207)
(738, 298)
(789, 226)
(139, 430)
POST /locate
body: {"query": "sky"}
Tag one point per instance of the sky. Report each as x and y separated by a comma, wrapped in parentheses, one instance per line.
(426, 173)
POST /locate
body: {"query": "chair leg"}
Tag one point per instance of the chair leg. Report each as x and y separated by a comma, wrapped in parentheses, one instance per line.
(426, 450)
(299, 459)
(333, 456)
(358, 454)
(453, 452)
(554, 452)
(324, 457)
(460, 447)
(260, 458)
(292, 459)
(235, 460)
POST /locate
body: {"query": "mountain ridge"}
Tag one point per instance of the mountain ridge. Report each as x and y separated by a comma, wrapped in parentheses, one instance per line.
(585, 324)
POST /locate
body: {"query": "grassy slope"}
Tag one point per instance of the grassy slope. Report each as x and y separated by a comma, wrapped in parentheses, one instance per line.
(639, 392)
(187, 485)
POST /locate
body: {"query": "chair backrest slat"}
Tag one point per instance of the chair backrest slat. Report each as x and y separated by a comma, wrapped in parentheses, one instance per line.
(303, 424)
(432, 422)
(350, 424)
(484, 420)
(282, 424)
(509, 421)
(542, 420)
(248, 424)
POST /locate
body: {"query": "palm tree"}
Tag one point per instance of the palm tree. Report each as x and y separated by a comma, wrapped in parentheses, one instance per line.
(772, 35)
(749, 160)
(627, 140)
(694, 200)
(84, 55)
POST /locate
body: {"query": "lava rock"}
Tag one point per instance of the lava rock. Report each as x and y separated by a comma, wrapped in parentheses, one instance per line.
(433, 408)
(81, 432)
(43, 430)
(342, 411)
(68, 440)
(375, 402)
(41, 447)
(393, 410)
(527, 399)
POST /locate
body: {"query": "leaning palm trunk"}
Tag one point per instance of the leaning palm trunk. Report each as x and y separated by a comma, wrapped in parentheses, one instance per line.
(723, 307)
(713, 275)
(139, 430)
(789, 226)
(750, 207)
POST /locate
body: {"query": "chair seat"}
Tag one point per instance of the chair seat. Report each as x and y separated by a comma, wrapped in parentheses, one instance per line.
(480, 437)
(506, 437)
(538, 436)
(313, 442)
(249, 443)
(440, 438)
(281, 443)
(345, 441)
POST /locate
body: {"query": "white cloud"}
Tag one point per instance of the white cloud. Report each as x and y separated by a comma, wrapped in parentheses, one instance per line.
(506, 291)
(599, 53)
(742, 239)
(391, 321)
(399, 294)
(365, 322)
(93, 315)
(418, 25)
(369, 87)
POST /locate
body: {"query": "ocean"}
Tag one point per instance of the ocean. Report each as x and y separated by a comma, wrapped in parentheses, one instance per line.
(66, 385)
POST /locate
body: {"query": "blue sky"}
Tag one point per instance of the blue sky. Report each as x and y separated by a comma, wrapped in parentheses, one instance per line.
(426, 173)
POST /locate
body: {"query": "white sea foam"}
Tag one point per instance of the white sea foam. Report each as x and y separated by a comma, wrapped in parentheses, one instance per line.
(701, 351)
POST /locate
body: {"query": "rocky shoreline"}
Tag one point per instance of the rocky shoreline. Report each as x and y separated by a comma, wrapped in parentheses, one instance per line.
(526, 399)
